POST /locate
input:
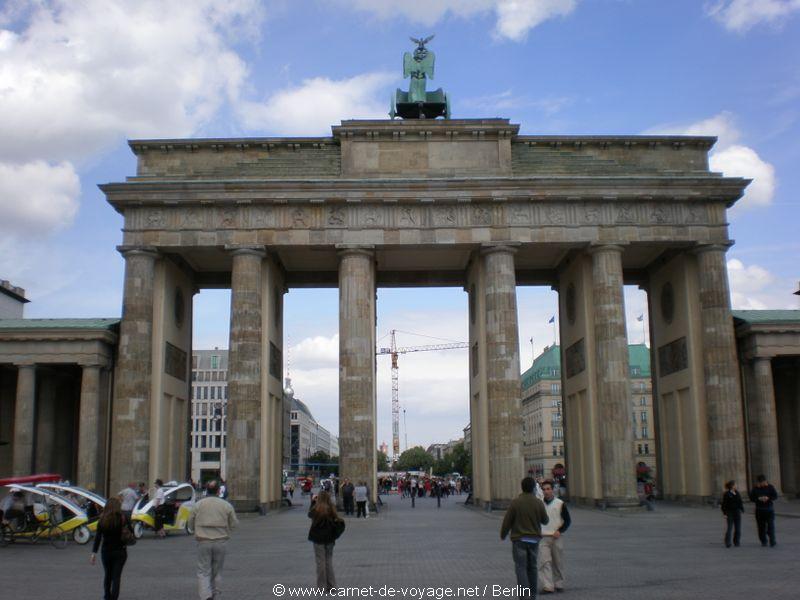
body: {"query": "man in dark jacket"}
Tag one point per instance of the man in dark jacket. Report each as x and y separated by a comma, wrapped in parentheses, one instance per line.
(732, 508)
(348, 489)
(763, 495)
(524, 520)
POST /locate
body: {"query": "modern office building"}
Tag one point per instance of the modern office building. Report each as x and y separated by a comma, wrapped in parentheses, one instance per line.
(543, 426)
(209, 411)
(308, 437)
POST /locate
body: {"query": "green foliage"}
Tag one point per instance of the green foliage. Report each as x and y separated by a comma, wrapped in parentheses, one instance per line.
(458, 460)
(383, 461)
(322, 462)
(415, 459)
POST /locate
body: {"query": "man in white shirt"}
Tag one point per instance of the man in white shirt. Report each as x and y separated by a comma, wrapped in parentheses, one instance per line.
(551, 549)
(212, 521)
(128, 498)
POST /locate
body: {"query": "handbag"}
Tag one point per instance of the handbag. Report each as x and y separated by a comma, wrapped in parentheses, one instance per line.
(338, 528)
(126, 536)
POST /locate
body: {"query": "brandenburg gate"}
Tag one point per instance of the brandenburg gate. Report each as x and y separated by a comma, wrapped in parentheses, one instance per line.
(422, 202)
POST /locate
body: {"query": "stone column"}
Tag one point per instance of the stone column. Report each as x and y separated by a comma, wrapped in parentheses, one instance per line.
(763, 424)
(244, 380)
(357, 400)
(130, 436)
(720, 369)
(506, 457)
(618, 477)
(24, 420)
(89, 442)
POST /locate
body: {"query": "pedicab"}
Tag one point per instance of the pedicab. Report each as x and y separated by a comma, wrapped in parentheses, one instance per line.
(42, 514)
(179, 501)
(92, 504)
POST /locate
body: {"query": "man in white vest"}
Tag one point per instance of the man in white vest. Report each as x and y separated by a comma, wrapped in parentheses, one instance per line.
(551, 548)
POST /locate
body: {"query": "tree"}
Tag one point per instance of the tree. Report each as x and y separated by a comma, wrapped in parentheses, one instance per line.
(383, 461)
(323, 462)
(458, 460)
(415, 459)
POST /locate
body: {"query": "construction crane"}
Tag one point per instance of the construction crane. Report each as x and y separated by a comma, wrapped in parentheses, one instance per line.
(394, 351)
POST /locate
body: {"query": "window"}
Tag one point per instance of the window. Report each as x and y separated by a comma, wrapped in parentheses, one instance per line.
(636, 371)
(647, 448)
(194, 375)
(644, 432)
(219, 392)
(209, 456)
(226, 392)
(555, 450)
(640, 448)
(643, 401)
(555, 388)
(644, 417)
(203, 425)
(203, 408)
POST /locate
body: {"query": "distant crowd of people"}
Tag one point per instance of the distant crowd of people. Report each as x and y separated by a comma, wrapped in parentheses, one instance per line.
(536, 521)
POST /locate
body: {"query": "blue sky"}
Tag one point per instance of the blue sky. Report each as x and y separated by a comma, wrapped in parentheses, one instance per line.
(77, 78)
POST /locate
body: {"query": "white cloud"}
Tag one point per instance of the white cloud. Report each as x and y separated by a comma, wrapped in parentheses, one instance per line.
(515, 18)
(315, 353)
(742, 15)
(37, 197)
(80, 75)
(311, 107)
(745, 162)
(731, 158)
(755, 288)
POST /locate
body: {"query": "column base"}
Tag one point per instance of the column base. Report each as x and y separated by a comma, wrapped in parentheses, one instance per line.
(619, 504)
(247, 506)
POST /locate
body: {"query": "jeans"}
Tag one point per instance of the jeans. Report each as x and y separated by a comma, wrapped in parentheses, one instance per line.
(765, 519)
(323, 553)
(525, 567)
(113, 561)
(361, 507)
(210, 560)
(734, 525)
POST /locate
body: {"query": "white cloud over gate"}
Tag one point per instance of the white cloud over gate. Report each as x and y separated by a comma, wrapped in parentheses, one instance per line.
(732, 158)
(514, 18)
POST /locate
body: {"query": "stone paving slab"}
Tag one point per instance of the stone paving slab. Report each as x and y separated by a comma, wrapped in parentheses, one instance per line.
(675, 552)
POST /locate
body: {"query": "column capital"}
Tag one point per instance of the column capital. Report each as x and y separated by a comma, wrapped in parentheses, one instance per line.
(245, 250)
(343, 250)
(761, 359)
(594, 248)
(492, 247)
(719, 247)
(149, 251)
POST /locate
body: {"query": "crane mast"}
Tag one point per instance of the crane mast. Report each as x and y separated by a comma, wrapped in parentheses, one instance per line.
(394, 352)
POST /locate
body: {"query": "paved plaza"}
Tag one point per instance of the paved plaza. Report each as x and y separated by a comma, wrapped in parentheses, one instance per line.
(675, 552)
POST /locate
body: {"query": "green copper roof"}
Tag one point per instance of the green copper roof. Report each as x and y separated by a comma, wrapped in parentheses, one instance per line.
(547, 366)
(767, 316)
(6, 324)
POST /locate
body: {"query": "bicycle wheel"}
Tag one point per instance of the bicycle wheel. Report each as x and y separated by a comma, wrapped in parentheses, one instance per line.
(81, 535)
(58, 537)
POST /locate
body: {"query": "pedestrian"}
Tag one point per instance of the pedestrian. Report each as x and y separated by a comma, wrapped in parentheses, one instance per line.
(128, 497)
(551, 548)
(223, 489)
(347, 496)
(113, 553)
(732, 507)
(212, 520)
(763, 495)
(326, 527)
(159, 508)
(524, 520)
(361, 499)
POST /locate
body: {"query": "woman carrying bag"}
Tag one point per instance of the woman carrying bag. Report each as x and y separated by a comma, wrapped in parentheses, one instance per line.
(326, 527)
(115, 533)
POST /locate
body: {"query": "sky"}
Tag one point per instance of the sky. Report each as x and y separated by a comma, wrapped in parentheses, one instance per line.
(80, 77)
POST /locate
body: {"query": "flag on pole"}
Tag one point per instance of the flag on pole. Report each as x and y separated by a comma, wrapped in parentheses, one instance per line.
(640, 318)
(552, 319)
